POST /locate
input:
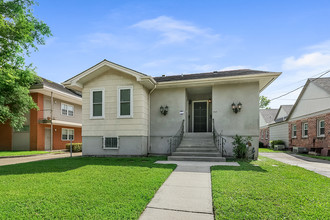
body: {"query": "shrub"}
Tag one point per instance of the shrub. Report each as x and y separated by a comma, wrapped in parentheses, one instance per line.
(276, 142)
(261, 145)
(76, 147)
(240, 149)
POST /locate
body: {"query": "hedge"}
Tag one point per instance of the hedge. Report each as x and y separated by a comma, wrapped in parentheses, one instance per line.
(76, 147)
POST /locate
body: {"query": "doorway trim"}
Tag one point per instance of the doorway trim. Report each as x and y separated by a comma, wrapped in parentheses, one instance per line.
(193, 115)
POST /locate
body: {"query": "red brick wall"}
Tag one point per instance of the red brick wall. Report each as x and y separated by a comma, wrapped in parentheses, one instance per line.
(262, 136)
(37, 131)
(5, 137)
(58, 143)
(312, 141)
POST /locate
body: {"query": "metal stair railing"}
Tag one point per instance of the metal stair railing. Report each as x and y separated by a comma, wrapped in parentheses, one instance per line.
(218, 139)
(176, 139)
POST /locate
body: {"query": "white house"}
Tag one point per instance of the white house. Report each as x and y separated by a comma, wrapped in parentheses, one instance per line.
(126, 112)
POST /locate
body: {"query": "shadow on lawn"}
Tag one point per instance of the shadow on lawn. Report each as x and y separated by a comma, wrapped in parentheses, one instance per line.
(244, 166)
(67, 164)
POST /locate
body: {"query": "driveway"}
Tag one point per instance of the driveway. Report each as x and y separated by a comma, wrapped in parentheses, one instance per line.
(318, 166)
(15, 160)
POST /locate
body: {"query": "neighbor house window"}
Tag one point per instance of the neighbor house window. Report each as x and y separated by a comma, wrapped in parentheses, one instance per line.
(97, 103)
(266, 134)
(320, 128)
(125, 102)
(262, 134)
(110, 142)
(67, 109)
(294, 131)
(305, 129)
(67, 134)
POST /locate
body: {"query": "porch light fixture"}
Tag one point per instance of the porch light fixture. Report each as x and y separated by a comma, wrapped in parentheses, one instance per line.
(164, 110)
(236, 108)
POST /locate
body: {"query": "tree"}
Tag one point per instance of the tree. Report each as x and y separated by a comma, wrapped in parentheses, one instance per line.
(264, 102)
(20, 32)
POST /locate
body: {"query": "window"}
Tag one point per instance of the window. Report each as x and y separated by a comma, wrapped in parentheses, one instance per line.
(67, 134)
(67, 109)
(320, 128)
(304, 129)
(110, 143)
(294, 131)
(266, 134)
(97, 103)
(125, 102)
(262, 134)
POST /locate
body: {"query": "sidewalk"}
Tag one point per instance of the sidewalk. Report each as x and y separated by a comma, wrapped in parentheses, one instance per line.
(316, 165)
(15, 160)
(186, 194)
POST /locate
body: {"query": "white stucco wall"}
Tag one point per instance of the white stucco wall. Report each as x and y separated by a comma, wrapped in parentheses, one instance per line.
(244, 123)
(279, 131)
(313, 100)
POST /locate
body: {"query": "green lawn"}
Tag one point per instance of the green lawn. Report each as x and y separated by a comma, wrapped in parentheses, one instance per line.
(317, 157)
(267, 189)
(21, 153)
(267, 150)
(88, 188)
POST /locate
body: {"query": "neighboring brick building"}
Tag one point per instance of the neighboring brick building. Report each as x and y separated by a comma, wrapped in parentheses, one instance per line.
(63, 114)
(309, 120)
(266, 117)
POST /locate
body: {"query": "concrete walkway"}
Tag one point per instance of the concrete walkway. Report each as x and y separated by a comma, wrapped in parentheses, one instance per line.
(318, 166)
(15, 160)
(186, 194)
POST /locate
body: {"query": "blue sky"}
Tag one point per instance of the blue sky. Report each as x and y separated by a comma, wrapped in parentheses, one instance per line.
(175, 37)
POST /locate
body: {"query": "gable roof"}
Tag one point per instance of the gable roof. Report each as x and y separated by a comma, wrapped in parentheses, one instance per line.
(323, 83)
(47, 83)
(268, 114)
(215, 74)
(287, 109)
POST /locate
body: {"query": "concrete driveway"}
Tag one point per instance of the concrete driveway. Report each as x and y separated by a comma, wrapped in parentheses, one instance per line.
(15, 160)
(318, 166)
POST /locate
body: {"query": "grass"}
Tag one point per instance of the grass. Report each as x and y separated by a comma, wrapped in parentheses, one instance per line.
(268, 189)
(86, 188)
(21, 153)
(317, 157)
(267, 150)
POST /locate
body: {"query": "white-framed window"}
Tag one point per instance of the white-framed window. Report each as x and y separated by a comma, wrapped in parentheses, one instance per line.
(262, 134)
(294, 131)
(67, 109)
(304, 129)
(110, 143)
(67, 134)
(125, 102)
(321, 128)
(266, 135)
(97, 103)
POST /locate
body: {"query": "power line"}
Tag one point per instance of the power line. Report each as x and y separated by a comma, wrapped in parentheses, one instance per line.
(300, 86)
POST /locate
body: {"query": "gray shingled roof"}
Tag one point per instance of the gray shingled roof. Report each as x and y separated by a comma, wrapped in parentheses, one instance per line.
(324, 83)
(214, 74)
(268, 114)
(54, 85)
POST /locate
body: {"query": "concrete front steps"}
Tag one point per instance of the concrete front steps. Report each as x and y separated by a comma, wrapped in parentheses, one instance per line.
(197, 147)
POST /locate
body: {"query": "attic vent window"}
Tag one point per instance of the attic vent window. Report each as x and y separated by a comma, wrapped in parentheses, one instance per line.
(110, 143)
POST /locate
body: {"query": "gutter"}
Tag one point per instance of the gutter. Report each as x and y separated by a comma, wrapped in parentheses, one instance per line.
(149, 124)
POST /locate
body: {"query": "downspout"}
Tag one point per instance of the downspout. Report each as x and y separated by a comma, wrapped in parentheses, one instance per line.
(51, 121)
(149, 144)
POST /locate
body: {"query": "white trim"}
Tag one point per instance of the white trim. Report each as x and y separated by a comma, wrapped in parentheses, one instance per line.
(110, 148)
(119, 88)
(310, 115)
(303, 130)
(294, 136)
(91, 103)
(68, 139)
(67, 111)
(207, 115)
(319, 127)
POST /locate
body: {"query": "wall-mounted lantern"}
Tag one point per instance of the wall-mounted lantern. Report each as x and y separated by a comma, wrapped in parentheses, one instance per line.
(164, 110)
(236, 108)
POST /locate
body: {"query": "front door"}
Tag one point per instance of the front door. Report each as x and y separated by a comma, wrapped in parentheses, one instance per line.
(200, 116)
(47, 138)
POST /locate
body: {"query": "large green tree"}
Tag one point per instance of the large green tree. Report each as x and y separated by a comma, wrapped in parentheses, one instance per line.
(20, 33)
(264, 102)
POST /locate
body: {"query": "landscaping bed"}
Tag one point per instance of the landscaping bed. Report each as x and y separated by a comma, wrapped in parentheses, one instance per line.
(71, 188)
(268, 189)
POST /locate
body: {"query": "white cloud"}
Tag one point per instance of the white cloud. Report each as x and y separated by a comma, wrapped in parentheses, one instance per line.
(174, 31)
(309, 60)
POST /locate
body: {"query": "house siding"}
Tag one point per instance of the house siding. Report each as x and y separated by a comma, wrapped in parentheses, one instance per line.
(110, 125)
(279, 131)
